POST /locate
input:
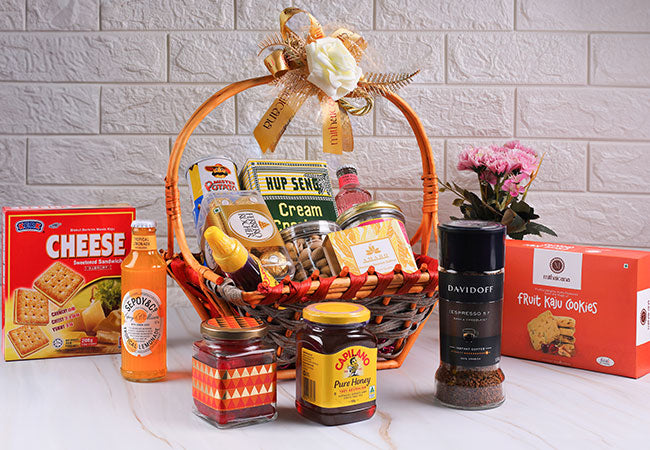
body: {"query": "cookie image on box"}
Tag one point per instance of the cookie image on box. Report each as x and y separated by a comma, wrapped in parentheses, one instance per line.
(543, 330)
(553, 334)
(566, 350)
(564, 321)
(59, 283)
(30, 307)
(28, 339)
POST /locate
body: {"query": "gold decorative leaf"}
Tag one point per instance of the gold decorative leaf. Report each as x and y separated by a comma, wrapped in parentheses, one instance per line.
(380, 83)
(293, 47)
(272, 40)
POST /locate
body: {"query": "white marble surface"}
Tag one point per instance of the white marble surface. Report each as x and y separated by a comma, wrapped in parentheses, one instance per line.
(83, 403)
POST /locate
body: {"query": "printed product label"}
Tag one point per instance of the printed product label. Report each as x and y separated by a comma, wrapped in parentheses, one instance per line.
(251, 226)
(346, 378)
(143, 243)
(642, 318)
(470, 319)
(470, 333)
(557, 269)
(472, 288)
(378, 253)
(141, 323)
(232, 389)
(264, 274)
(294, 191)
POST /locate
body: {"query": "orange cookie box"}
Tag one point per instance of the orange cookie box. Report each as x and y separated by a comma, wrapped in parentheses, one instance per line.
(584, 307)
(61, 280)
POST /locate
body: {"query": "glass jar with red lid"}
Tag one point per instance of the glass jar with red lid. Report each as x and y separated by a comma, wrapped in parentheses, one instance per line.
(336, 364)
(234, 373)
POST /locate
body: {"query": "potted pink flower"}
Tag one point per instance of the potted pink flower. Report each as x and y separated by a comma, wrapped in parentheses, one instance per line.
(505, 175)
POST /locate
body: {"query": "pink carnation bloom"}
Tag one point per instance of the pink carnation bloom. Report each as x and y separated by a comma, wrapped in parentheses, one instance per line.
(515, 185)
(493, 162)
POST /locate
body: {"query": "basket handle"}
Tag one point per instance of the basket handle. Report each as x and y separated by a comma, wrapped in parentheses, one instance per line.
(172, 196)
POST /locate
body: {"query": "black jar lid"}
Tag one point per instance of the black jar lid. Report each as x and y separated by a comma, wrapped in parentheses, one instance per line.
(472, 245)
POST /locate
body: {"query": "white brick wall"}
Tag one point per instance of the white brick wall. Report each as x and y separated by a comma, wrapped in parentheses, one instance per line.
(93, 93)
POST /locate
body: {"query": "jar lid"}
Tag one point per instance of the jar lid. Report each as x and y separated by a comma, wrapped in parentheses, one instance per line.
(472, 245)
(336, 313)
(233, 328)
(142, 223)
(305, 229)
(375, 206)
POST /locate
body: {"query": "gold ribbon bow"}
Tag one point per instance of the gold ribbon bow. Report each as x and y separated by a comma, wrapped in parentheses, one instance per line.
(289, 67)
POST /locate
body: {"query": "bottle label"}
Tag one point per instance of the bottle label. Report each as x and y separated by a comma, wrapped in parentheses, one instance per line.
(346, 378)
(233, 389)
(471, 288)
(348, 178)
(143, 242)
(265, 276)
(470, 319)
(141, 321)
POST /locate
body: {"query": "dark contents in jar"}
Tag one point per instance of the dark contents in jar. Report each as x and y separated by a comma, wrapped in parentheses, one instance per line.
(470, 388)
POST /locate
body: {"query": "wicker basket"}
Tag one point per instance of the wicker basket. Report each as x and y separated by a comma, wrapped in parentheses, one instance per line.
(400, 303)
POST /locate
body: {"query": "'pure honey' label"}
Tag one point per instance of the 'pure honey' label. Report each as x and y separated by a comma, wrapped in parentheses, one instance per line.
(346, 378)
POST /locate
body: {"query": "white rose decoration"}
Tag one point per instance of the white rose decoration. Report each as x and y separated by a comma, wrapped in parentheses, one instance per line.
(332, 67)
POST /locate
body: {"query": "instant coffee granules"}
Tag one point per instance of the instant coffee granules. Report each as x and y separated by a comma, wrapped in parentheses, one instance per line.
(472, 255)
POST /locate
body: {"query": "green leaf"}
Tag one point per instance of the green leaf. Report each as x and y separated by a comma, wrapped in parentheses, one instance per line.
(458, 202)
(518, 224)
(519, 236)
(538, 229)
(521, 207)
(508, 217)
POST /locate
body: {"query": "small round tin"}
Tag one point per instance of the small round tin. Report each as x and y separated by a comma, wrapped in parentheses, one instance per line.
(372, 212)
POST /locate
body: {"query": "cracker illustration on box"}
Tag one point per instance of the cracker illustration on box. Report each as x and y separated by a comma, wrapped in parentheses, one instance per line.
(553, 334)
(59, 283)
(28, 339)
(30, 307)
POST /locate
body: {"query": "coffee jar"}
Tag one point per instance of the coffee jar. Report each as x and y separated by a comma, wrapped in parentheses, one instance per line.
(471, 270)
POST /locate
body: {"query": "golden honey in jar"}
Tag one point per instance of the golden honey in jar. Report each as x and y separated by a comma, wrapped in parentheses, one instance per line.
(336, 366)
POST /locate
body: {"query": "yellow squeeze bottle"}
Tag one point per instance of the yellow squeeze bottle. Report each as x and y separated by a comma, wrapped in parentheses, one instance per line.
(233, 258)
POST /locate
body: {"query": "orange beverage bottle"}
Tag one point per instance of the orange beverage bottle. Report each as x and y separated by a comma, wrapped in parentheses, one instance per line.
(144, 307)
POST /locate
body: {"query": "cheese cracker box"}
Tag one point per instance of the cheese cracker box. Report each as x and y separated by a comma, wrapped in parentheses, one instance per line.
(584, 307)
(61, 280)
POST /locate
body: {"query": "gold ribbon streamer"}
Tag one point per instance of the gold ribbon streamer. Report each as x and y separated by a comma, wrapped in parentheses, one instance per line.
(289, 67)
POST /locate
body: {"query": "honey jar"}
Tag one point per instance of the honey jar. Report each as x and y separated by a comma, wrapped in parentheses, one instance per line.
(234, 373)
(336, 366)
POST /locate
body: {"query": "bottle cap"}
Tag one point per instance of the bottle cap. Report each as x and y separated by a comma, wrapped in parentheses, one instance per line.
(336, 313)
(143, 223)
(347, 168)
(472, 245)
(228, 252)
(233, 328)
